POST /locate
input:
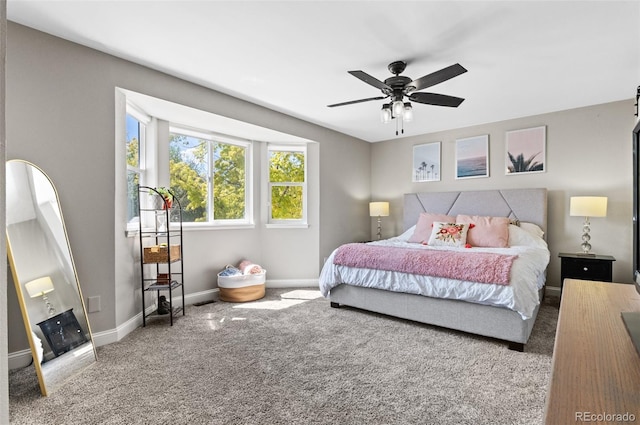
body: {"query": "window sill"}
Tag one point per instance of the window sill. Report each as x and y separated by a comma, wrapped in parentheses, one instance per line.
(190, 227)
(286, 226)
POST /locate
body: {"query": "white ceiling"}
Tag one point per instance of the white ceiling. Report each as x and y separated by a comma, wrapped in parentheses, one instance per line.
(523, 58)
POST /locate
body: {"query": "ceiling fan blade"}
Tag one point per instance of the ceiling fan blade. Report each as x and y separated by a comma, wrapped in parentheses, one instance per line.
(436, 99)
(438, 77)
(351, 102)
(370, 80)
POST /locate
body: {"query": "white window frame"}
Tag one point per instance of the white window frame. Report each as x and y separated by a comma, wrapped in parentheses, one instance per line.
(143, 151)
(291, 223)
(213, 137)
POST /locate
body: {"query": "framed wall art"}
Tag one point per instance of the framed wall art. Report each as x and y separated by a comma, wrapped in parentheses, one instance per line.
(526, 150)
(472, 157)
(426, 162)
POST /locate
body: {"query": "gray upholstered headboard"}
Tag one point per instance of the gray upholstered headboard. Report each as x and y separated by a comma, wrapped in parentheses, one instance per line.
(521, 204)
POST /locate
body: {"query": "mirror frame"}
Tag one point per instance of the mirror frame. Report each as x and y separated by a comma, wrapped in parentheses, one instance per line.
(44, 389)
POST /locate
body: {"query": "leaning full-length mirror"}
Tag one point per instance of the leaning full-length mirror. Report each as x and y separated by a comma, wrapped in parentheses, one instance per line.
(45, 277)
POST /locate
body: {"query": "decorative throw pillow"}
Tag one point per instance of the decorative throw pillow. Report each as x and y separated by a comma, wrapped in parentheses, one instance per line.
(449, 234)
(425, 226)
(491, 232)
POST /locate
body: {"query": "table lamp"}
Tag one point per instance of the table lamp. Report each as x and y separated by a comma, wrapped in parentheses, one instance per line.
(587, 207)
(39, 288)
(379, 209)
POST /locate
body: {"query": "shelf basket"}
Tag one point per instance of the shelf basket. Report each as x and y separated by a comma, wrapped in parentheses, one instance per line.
(160, 254)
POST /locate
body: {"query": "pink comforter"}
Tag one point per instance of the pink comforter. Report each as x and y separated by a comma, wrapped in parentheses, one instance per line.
(482, 267)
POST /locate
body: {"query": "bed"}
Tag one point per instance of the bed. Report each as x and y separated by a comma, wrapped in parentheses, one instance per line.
(492, 313)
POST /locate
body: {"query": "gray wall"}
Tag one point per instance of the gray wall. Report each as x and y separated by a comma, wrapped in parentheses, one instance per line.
(588, 152)
(61, 116)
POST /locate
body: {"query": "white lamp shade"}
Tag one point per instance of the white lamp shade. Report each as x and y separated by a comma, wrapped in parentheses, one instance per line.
(378, 209)
(39, 287)
(588, 206)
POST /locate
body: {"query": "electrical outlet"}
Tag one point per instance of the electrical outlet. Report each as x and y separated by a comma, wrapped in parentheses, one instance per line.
(93, 304)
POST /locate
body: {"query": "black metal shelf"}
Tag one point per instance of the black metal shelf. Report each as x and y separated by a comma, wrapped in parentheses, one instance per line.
(163, 287)
(174, 314)
(155, 225)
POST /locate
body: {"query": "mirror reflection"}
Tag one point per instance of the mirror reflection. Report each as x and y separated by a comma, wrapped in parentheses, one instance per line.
(45, 277)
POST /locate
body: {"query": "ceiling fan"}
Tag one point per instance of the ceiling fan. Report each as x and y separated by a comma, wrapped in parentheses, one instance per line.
(398, 87)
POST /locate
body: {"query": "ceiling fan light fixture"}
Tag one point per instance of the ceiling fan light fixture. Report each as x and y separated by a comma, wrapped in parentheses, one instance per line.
(399, 87)
(397, 108)
(407, 114)
(385, 113)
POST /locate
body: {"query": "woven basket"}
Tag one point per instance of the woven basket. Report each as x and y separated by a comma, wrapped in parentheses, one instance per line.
(161, 254)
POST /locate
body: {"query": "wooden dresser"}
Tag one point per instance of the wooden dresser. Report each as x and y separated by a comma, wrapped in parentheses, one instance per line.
(596, 369)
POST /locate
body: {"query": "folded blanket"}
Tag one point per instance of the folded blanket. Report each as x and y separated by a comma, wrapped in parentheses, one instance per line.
(247, 267)
(230, 271)
(481, 267)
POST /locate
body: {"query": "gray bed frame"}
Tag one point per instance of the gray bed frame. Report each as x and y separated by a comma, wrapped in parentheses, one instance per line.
(528, 205)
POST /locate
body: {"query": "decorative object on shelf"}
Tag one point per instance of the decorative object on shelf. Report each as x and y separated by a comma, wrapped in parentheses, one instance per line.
(161, 253)
(426, 162)
(526, 150)
(472, 157)
(587, 207)
(167, 197)
(379, 209)
(40, 288)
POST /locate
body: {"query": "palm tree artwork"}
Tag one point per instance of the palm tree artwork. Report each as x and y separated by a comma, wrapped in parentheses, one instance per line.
(526, 150)
(426, 162)
(520, 165)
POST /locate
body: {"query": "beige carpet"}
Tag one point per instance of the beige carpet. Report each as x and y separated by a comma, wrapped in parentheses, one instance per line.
(295, 360)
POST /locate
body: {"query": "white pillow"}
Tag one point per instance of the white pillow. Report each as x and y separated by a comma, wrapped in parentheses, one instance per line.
(532, 228)
(448, 234)
(407, 233)
(518, 236)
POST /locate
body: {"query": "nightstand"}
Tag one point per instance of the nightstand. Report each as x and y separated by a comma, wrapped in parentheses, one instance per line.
(63, 332)
(585, 267)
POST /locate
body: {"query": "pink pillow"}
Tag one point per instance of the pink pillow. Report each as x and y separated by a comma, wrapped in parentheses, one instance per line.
(425, 226)
(492, 232)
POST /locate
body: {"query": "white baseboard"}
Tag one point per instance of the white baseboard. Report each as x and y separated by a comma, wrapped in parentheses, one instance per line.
(19, 359)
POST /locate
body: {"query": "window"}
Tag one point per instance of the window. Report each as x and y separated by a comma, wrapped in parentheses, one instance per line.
(287, 184)
(135, 148)
(210, 177)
